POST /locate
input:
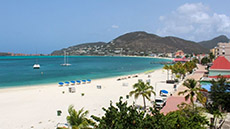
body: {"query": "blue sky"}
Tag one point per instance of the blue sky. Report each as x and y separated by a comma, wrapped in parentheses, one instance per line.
(27, 26)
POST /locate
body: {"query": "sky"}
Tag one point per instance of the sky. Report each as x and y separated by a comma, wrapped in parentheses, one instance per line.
(42, 26)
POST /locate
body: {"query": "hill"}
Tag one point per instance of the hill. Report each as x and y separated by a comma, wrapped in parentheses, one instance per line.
(4, 54)
(80, 49)
(135, 43)
(209, 44)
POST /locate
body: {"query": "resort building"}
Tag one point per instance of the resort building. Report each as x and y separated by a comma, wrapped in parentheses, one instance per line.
(179, 53)
(183, 60)
(221, 66)
(222, 49)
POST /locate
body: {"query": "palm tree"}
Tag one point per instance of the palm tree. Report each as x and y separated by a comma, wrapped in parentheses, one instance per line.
(211, 108)
(77, 119)
(192, 90)
(211, 56)
(142, 89)
(166, 67)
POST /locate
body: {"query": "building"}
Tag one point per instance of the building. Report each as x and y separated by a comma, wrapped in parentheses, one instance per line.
(179, 53)
(222, 49)
(221, 66)
(183, 60)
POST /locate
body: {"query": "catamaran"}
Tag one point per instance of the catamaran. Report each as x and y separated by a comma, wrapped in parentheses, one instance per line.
(36, 65)
(65, 60)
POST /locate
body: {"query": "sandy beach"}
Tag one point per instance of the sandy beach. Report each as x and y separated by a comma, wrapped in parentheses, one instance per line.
(36, 106)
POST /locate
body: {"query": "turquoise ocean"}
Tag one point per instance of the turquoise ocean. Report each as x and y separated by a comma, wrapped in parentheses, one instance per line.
(18, 71)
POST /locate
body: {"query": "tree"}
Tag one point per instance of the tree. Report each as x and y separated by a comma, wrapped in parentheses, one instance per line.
(195, 60)
(166, 67)
(212, 109)
(187, 117)
(220, 93)
(120, 116)
(189, 66)
(123, 116)
(77, 119)
(211, 56)
(191, 91)
(178, 70)
(205, 61)
(142, 89)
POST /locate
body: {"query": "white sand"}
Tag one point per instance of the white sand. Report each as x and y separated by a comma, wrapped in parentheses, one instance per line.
(36, 107)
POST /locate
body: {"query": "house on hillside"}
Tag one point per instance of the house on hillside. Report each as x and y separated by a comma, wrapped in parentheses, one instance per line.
(221, 66)
(179, 53)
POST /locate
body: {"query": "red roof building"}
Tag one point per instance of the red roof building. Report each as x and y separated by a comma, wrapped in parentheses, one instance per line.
(225, 76)
(221, 63)
(179, 53)
(180, 60)
(221, 66)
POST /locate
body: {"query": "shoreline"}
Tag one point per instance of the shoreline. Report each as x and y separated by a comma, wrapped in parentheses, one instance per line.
(37, 86)
(20, 87)
(37, 106)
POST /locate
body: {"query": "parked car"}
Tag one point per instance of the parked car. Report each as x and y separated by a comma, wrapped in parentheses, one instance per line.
(160, 102)
(164, 94)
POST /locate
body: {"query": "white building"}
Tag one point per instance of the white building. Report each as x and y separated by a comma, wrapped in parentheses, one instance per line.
(223, 49)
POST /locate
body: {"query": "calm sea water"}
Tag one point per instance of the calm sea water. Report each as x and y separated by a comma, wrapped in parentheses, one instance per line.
(18, 71)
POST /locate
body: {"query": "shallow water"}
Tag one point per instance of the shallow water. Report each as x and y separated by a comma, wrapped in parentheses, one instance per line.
(18, 71)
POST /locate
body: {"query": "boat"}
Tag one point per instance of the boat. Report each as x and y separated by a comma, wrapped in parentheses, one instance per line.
(65, 60)
(36, 66)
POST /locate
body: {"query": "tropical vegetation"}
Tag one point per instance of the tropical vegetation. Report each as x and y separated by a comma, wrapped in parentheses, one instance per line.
(220, 94)
(142, 89)
(123, 116)
(192, 90)
(180, 69)
(207, 59)
(77, 119)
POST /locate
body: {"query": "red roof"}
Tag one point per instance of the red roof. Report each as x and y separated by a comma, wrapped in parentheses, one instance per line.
(171, 104)
(225, 76)
(221, 63)
(180, 59)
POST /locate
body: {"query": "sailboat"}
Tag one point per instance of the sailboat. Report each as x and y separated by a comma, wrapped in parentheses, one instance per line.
(65, 60)
(36, 65)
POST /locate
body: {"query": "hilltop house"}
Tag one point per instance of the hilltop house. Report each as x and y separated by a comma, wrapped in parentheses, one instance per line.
(179, 53)
(221, 66)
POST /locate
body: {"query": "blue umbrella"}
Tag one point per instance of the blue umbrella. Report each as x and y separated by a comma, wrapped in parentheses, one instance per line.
(60, 83)
(89, 80)
(83, 80)
(66, 82)
(72, 81)
(164, 91)
(78, 81)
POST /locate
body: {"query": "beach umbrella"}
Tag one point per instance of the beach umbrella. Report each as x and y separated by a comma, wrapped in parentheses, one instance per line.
(66, 82)
(78, 81)
(72, 81)
(60, 83)
(89, 80)
(83, 80)
(164, 91)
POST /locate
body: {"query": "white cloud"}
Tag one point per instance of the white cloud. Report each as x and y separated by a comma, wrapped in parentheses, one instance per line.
(195, 22)
(115, 26)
